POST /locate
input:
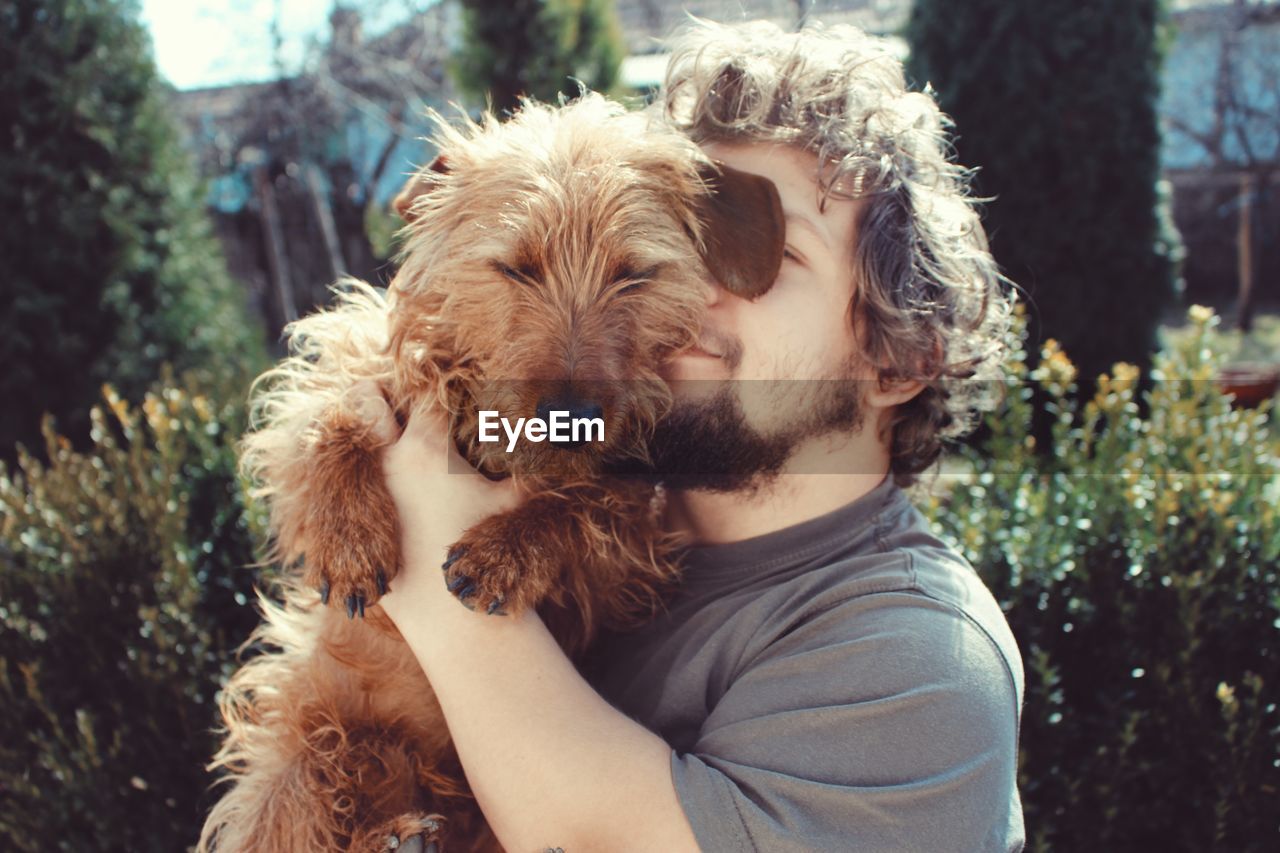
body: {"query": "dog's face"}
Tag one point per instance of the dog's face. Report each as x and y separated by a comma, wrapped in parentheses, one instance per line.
(552, 264)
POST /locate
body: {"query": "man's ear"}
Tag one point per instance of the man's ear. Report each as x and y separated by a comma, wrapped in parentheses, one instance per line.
(892, 390)
(423, 181)
(743, 229)
(886, 392)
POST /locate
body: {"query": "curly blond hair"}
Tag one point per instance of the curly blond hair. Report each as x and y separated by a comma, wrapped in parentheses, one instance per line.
(932, 304)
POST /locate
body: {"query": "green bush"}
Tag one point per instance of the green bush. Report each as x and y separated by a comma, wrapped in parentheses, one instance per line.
(110, 266)
(123, 595)
(1138, 567)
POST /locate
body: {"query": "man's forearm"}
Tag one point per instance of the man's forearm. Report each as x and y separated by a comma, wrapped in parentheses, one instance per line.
(551, 763)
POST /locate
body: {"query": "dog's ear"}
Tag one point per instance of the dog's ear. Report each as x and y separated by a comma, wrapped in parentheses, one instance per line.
(743, 229)
(423, 181)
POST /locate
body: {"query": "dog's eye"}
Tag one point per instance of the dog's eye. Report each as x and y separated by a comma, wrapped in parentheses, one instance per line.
(631, 281)
(519, 276)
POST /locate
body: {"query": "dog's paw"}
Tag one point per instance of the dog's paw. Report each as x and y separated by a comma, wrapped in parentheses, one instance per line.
(498, 569)
(354, 573)
(462, 584)
(414, 833)
(509, 562)
(472, 583)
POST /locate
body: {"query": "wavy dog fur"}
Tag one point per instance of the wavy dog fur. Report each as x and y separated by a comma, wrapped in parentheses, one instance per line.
(555, 254)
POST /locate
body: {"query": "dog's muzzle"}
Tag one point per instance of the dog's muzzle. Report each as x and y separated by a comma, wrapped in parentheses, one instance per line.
(578, 409)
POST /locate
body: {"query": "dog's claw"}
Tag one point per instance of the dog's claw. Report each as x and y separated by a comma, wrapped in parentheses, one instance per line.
(458, 582)
(417, 842)
(454, 555)
(382, 582)
(466, 592)
(495, 607)
(355, 604)
(324, 593)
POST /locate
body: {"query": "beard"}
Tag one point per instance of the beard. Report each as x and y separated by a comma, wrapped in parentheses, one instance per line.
(709, 444)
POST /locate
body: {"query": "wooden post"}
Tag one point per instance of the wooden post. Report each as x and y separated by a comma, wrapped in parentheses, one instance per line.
(277, 253)
(328, 230)
(1244, 254)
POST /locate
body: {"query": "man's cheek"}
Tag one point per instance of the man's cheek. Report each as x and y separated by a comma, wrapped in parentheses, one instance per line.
(770, 405)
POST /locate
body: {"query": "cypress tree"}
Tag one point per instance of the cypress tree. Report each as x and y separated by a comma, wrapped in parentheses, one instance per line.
(110, 268)
(1055, 104)
(534, 47)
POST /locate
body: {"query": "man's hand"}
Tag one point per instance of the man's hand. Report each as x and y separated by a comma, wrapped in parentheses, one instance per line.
(550, 762)
(437, 497)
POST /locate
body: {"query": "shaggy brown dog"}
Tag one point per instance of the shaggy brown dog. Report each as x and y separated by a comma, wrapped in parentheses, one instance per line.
(552, 263)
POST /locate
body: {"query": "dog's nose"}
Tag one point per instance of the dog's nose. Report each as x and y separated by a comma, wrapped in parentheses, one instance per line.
(577, 410)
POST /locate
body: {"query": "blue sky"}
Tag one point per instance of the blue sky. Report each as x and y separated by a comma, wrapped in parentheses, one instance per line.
(213, 42)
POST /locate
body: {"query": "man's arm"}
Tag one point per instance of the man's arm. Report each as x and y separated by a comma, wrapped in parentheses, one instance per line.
(551, 763)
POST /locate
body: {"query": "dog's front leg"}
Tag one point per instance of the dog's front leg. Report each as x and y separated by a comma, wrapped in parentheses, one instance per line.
(351, 529)
(597, 551)
(512, 560)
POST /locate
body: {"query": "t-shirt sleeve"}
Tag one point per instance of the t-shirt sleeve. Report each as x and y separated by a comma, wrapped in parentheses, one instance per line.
(887, 722)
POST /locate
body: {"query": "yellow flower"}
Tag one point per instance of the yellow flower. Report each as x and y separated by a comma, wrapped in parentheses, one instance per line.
(1125, 372)
(1055, 368)
(1200, 314)
(1227, 696)
(1123, 378)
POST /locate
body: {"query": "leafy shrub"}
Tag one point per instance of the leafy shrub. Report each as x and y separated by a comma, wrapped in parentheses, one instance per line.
(122, 598)
(1138, 568)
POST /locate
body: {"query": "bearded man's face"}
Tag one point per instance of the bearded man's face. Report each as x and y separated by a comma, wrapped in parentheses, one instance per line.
(770, 373)
(709, 442)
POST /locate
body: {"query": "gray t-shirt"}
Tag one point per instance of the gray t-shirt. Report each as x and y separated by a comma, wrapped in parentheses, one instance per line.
(848, 683)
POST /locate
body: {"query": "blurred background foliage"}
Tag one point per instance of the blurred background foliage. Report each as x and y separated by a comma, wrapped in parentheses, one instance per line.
(1060, 123)
(124, 594)
(1139, 567)
(537, 48)
(1133, 539)
(111, 268)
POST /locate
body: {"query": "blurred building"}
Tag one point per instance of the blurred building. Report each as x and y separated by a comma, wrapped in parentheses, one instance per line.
(646, 23)
(297, 165)
(300, 168)
(1220, 110)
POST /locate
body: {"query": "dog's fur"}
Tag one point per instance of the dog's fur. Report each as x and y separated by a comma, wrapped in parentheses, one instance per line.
(557, 256)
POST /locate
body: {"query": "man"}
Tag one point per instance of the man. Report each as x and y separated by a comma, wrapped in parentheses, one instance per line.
(830, 675)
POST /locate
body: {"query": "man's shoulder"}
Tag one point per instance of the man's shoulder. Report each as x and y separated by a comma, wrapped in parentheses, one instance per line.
(910, 583)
